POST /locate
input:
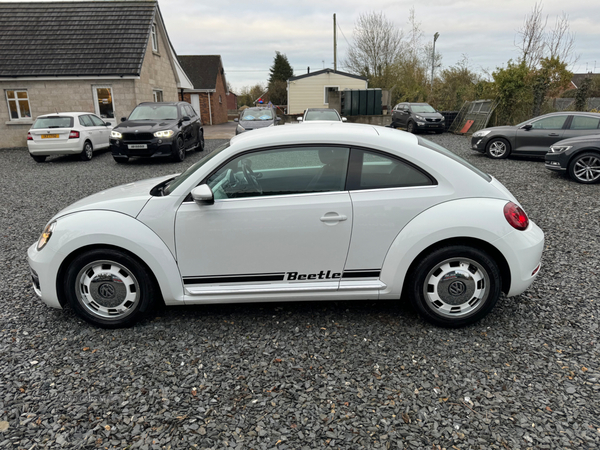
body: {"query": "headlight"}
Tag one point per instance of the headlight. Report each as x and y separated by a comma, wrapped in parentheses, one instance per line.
(560, 148)
(46, 235)
(116, 135)
(240, 128)
(419, 117)
(164, 134)
(481, 133)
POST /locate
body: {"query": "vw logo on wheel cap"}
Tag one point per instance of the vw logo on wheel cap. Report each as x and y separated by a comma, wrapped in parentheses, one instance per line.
(106, 290)
(457, 288)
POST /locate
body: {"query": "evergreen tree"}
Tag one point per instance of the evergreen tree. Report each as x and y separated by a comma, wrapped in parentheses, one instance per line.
(281, 69)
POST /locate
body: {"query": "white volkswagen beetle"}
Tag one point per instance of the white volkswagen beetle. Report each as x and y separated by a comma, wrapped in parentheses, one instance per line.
(319, 212)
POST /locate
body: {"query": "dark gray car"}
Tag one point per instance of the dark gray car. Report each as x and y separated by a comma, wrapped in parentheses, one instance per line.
(417, 117)
(535, 136)
(253, 118)
(579, 157)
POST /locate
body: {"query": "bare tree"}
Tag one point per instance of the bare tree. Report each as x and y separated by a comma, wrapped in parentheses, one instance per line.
(377, 44)
(561, 41)
(531, 37)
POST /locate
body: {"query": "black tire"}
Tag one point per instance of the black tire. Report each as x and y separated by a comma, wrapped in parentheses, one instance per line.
(109, 288)
(87, 152)
(585, 168)
(200, 147)
(39, 158)
(121, 159)
(498, 148)
(178, 150)
(410, 127)
(455, 286)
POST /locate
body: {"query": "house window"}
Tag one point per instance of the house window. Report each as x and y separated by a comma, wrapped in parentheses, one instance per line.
(158, 95)
(18, 104)
(154, 38)
(329, 89)
(220, 100)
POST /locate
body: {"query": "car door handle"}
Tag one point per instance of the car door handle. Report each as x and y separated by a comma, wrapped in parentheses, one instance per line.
(332, 218)
(554, 134)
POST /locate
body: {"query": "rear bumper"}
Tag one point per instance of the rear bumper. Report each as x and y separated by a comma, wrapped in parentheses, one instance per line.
(64, 147)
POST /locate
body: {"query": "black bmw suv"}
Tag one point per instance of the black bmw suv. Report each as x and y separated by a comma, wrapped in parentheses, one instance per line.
(157, 129)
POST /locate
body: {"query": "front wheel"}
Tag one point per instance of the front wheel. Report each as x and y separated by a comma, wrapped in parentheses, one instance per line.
(179, 150)
(585, 168)
(498, 148)
(109, 288)
(455, 286)
(200, 147)
(411, 127)
(87, 152)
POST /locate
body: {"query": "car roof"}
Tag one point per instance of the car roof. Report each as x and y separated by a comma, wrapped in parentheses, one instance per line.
(318, 132)
(321, 109)
(72, 114)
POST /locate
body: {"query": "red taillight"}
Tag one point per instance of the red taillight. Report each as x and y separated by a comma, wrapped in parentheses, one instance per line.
(515, 216)
(29, 136)
(74, 134)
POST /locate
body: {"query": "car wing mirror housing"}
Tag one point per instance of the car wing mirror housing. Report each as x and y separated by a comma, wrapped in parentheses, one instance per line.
(344, 119)
(236, 120)
(299, 119)
(527, 127)
(203, 195)
(123, 119)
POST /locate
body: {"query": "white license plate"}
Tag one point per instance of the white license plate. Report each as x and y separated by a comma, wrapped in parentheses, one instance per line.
(137, 146)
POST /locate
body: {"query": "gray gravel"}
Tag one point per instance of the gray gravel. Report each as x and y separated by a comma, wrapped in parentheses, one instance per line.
(342, 375)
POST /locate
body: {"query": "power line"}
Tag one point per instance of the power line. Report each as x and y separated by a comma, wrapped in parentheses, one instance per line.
(338, 25)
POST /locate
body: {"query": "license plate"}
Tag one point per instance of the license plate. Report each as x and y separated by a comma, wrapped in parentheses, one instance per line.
(137, 146)
(49, 136)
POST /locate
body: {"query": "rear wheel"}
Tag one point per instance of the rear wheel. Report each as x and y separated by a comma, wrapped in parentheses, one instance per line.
(87, 152)
(585, 168)
(109, 288)
(498, 148)
(39, 158)
(455, 285)
(179, 150)
(121, 159)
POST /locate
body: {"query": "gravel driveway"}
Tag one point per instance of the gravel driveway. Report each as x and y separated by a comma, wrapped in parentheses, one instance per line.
(345, 375)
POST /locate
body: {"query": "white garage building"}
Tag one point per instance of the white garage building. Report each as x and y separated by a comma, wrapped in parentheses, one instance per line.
(311, 90)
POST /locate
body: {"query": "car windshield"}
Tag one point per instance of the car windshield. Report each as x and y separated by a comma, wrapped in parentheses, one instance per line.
(154, 112)
(422, 108)
(53, 122)
(192, 169)
(257, 114)
(322, 115)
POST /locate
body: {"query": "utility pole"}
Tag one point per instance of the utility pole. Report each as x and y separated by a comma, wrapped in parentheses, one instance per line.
(334, 45)
(435, 38)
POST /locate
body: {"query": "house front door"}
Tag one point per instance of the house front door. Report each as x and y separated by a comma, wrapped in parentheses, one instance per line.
(195, 99)
(104, 104)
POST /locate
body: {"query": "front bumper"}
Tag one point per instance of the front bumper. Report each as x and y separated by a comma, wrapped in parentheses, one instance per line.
(478, 143)
(556, 161)
(44, 266)
(428, 126)
(149, 148)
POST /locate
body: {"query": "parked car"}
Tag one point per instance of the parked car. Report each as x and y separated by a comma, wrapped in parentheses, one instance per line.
(74, 133)
(321, 115)
(417, 117)
(155, 129)
(341, 212)
(534, 137)
(579, 157)
(254, 118)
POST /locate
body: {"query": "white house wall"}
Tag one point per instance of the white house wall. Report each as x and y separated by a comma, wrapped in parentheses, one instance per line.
(309, 92)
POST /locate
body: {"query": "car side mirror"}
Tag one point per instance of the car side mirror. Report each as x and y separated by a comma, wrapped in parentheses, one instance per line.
(108, 124)
(185, 118)
(278, 119)
(123, 119)
(344, 119)
(527, 127)
(236, 120)
(299, 119)
(203, 195)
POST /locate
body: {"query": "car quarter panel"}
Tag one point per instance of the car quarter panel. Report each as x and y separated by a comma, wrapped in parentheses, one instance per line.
(471, 218)
(79, 230)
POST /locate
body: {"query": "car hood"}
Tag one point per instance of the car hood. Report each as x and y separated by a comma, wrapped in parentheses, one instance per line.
(255, 123)
(127, 199)
(579, 139)
(506, 129)
(144, 126)
(433, 115)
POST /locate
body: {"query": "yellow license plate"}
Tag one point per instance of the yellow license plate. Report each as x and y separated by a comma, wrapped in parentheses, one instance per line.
(49, 136)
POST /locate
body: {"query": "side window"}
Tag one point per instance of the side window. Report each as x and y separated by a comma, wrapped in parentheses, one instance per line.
(371, 170)
(154, 38)
(97, 121)
(584, 123)
(282, 172)
(549, 123)
(86, 121)
(189, 111)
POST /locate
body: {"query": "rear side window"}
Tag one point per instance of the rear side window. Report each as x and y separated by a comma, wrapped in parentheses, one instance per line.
(372, 170)
(584, 123)
(53, 122)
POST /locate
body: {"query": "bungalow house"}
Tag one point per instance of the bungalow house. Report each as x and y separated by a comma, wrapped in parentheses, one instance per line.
(311, 89)
(97, 56)
(208, 95)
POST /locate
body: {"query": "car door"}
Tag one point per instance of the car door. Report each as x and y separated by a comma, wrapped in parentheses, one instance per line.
(582, 126)
(387, 193)
(194, 124)
(101, 131)
(185, 125)
(88, 129)
(537, 139)
(281, 221)
(404, 114)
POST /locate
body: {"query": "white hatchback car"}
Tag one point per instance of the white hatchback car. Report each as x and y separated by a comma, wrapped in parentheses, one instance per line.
(340, 212)
(321, 115)
(78, 133)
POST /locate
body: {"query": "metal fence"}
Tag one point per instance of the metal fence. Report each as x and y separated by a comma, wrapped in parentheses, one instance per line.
(473, 116)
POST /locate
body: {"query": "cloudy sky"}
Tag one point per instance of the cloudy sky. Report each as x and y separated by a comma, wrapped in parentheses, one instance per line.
(247, 34)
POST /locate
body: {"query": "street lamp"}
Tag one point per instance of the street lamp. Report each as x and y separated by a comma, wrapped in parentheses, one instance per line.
(435, 38)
